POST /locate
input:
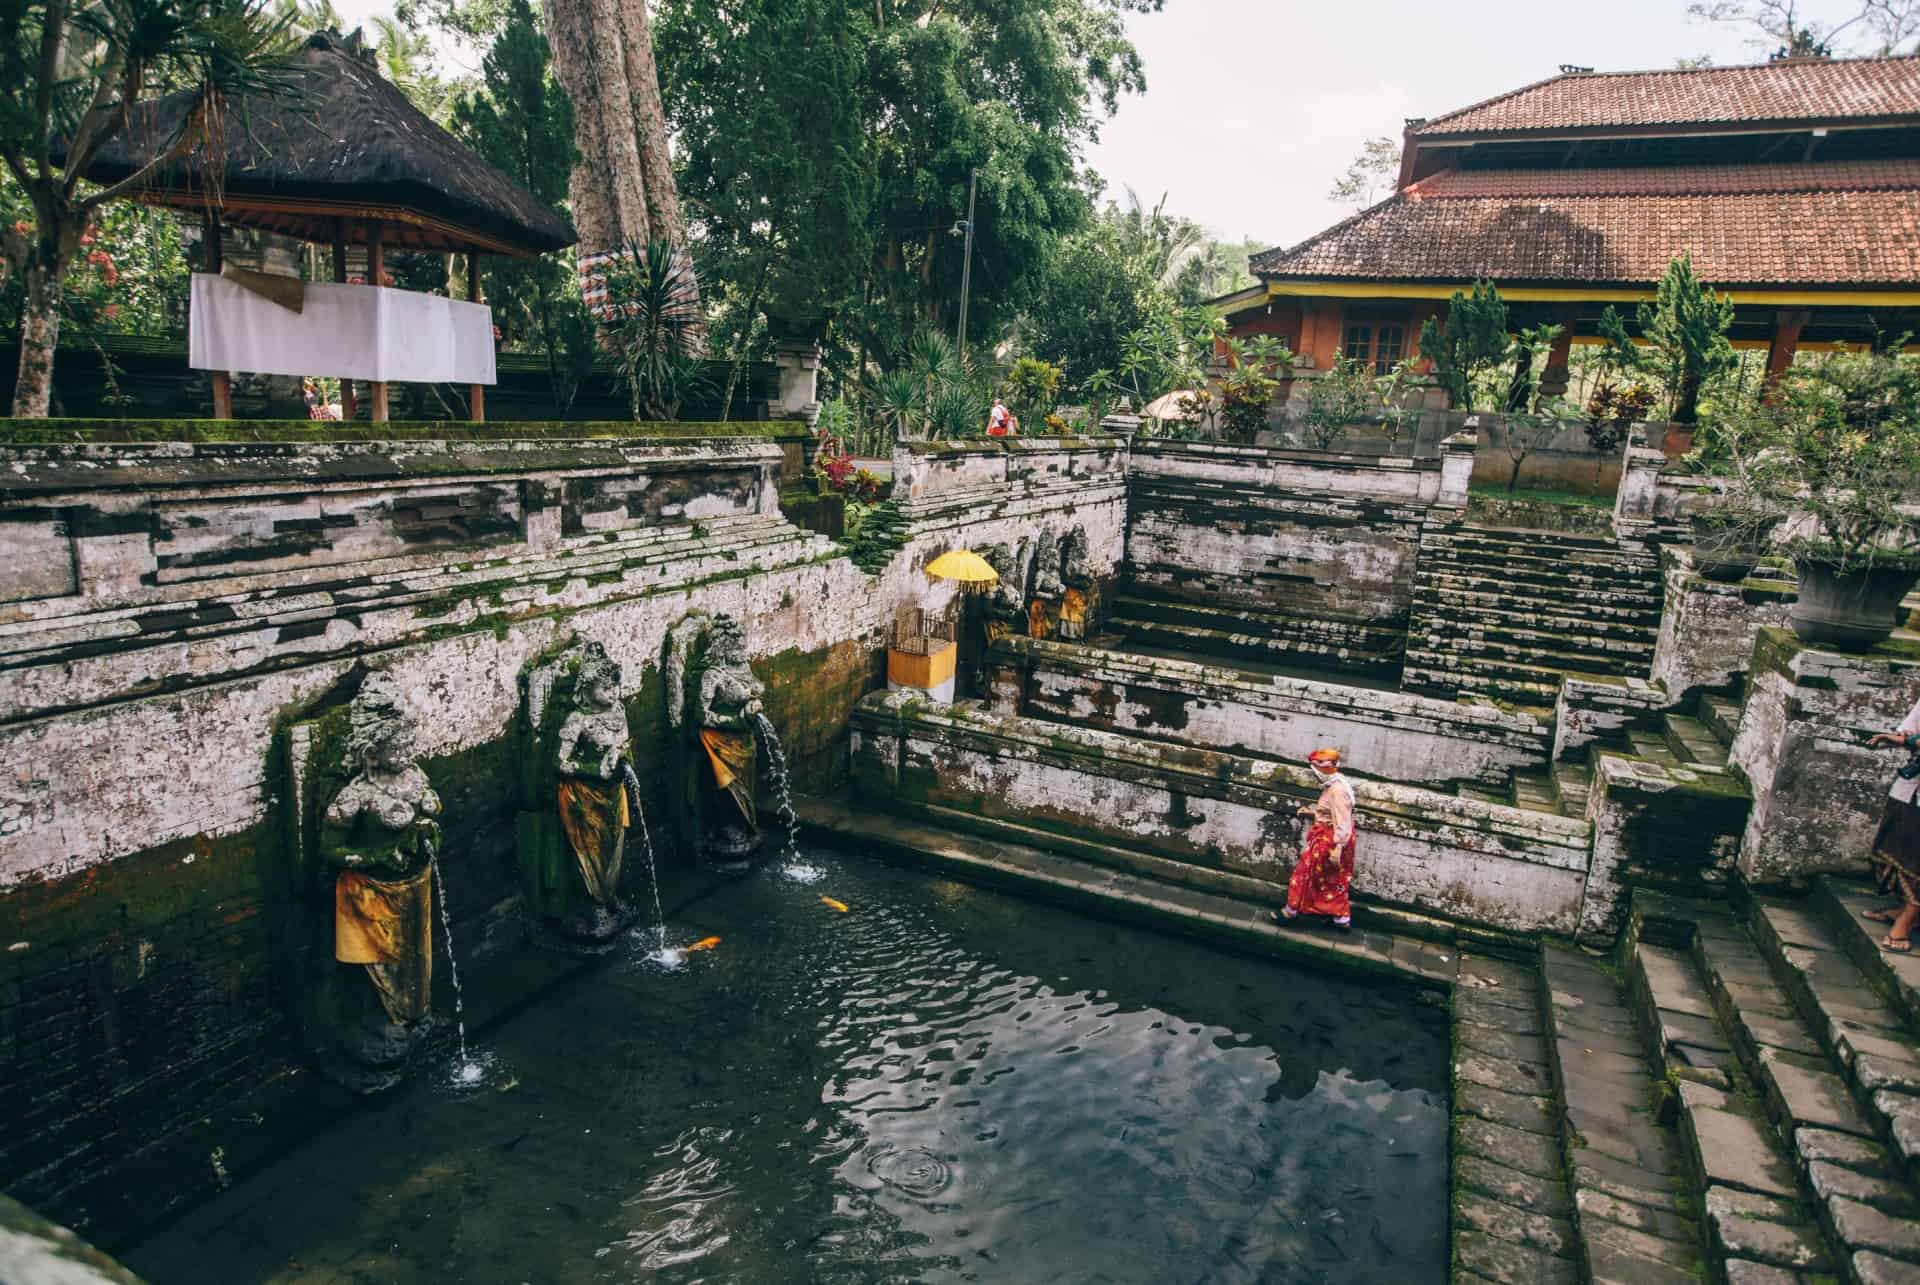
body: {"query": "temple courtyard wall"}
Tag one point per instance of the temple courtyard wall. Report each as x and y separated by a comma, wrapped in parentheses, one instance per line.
(167, 609)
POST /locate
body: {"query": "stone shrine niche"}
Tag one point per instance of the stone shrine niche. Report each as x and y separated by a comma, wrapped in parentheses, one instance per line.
(714, 713)
(580, 797)
(366, 833)
(1077, 601)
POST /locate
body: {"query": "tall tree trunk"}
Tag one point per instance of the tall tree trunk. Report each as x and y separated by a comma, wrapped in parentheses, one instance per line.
(608, 186)
(45, 272)
(649, 114)
(746, 334)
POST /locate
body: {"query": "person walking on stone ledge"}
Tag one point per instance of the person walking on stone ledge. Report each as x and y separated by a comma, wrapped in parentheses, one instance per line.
(1324, 872)
(1896, 848)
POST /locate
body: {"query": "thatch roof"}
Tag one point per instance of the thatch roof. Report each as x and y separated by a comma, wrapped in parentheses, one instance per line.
(337, 141)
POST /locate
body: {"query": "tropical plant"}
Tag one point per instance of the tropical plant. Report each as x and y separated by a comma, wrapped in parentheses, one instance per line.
(1686, 332)
(937, 393)
(1254, 370)
(1611, 406)
(1033, 388)
(1336, 401)
(1840, 438)
(75, 76)
(1371, 175)
(1472, 343)
(651, 325)
(1524, 432)
(1398, 393)
(1531, 341)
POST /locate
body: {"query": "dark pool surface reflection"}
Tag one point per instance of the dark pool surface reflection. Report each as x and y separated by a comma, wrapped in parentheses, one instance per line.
(942, 1083)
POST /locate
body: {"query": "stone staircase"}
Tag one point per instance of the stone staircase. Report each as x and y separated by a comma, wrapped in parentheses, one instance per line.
(1794, 1076)
(1501, 614)
(1239, 633)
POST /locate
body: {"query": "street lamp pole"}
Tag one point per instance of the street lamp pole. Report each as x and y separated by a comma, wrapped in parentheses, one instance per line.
(966, 263)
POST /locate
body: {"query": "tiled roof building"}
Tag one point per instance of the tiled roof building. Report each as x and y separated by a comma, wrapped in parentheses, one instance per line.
(1794, 185)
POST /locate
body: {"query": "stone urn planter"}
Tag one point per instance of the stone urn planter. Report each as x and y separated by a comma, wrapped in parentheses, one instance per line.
(1851, 610)
(1729, 550)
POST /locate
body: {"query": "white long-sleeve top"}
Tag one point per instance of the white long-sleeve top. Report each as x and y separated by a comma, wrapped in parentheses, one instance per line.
(1334, 808)
(1906, 790)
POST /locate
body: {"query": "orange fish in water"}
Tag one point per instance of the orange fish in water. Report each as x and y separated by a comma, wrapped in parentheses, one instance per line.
(705, 943)
(840, 906)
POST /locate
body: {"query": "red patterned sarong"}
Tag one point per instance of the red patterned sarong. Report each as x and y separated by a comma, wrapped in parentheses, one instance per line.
(1321, 876)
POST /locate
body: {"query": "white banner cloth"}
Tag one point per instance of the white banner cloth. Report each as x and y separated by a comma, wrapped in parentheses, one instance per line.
(348, 332)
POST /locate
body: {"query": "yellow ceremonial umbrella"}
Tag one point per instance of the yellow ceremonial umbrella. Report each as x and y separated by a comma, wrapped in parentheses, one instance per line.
(967, 568)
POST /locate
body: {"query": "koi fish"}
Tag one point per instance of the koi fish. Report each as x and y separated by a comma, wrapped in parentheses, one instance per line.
(705, 943)
(840, 906)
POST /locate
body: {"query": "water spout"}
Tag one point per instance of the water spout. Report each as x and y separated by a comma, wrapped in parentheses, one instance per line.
(794, 868)
(468, 1071)
(660, 952)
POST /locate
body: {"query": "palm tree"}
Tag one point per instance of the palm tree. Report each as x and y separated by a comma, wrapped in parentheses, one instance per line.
(70, 79)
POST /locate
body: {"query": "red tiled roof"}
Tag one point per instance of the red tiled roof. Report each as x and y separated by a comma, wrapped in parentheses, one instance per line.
(1856, 89)
(1745, 225)
(1695, 180)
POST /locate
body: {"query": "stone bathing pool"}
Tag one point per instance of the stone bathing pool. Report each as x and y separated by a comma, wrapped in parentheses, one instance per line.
(940, 1083)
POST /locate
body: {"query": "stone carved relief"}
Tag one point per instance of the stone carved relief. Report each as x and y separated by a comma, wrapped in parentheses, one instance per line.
(580, 796)
(1076, 575)
(714, 708)
(366, 837)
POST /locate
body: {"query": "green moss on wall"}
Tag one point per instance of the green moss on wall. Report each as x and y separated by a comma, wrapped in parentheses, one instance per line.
(57, 431)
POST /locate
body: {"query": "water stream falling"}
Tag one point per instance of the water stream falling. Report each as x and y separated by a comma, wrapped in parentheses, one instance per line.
(794, 868)
(660, 952)
(467, 1070)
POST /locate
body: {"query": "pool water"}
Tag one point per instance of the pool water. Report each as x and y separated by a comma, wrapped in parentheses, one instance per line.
(941, 1083)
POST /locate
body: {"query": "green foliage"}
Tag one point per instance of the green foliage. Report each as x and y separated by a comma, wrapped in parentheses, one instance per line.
(1527, 431)
(1472, 343)
(1839, 438)
(1686, 332)
(1400, 396)
(654, 310)
(1530, 343)
(1254, 369)
(1033, 388)
(1336, 401)
(519, 119)
(937, 393)
(1371, 176)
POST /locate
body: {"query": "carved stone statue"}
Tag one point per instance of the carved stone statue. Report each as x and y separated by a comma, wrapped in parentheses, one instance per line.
(581, 795)
(378, 834)
(713, 703)
(1076, 571)
(1044, 608)
(1006, 606)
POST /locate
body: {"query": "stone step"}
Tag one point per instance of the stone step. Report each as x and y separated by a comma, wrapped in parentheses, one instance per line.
(1573, 781)
(1449, 682)
(1855, 1187)
(1743, 1177)
(1721, 716)
(1627, 1168)
(1147, 607)
(1496, 609)
(1575, 654)
(1266, 649)
(1554, 584)
(1897, 977)
(1497, 671)
(1868, 1041)
(1534, 791)
(1534, 634)
(1692, 741)
(1498, 538)
(1651, 746)
(1597, 565)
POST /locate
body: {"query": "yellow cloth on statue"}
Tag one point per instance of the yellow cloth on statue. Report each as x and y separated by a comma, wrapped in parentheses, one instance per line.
(595, 819)
(376, 921)
(730, 752)
(1073, 610)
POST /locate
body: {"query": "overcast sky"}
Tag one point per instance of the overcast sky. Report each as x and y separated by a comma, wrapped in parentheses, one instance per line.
(1254, 107)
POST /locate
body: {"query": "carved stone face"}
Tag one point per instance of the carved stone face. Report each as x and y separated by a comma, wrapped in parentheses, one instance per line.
(394, 748)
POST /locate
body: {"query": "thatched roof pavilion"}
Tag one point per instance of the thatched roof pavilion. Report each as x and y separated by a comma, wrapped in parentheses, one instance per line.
(335, 151)
(332, 152)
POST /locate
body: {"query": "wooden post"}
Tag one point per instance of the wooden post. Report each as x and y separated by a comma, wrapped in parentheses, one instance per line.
(476, 393)
(349, 399)
(376, 265)
(222, 381)
(1783, 344)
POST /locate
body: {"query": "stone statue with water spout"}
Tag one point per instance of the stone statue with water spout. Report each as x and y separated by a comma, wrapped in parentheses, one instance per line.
(582, 796)
(714, 706)
(368, 829)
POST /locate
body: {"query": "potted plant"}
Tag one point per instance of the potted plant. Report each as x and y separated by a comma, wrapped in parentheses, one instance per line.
(1844, 434)
(1734, 531)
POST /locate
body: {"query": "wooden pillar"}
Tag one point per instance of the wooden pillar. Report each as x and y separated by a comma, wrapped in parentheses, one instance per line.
(476, 393)
(1787, 326)
(1557, 376)
(349, 399)
(222, 380)
(376, 266)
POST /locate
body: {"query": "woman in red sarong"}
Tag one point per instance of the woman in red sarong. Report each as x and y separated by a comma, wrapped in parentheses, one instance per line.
(1325, 870)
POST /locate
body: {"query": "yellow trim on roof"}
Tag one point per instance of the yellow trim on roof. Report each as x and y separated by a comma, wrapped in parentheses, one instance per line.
(1601, 294)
